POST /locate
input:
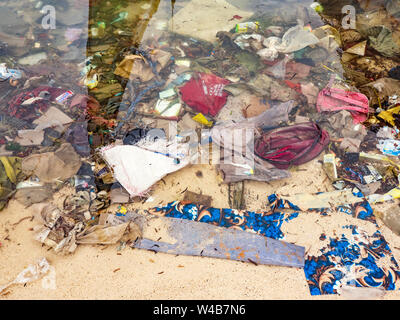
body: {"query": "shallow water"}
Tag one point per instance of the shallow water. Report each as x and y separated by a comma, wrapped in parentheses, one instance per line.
(90, 39)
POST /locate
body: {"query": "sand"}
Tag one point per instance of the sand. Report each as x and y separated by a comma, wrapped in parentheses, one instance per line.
(103, 272)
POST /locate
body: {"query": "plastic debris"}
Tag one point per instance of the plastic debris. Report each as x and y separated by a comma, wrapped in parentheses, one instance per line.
(51, 166)
(200, 118)
(32, 273)
(295, 39)
(330, 166)
(246, 26)
(201, 239)
(150, 166)
(291, 145)
(205, 93)
(332, 99)
(389, 147)
(6, 73)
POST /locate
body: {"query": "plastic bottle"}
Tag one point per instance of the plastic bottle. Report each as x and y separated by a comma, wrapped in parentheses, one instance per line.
(329, 166)
(246, 26)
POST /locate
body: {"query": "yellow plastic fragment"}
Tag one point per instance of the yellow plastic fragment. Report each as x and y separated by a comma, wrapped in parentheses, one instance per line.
(387, 115)
(122, 210)
(395, 193)
(392, 194)
(9, 169)
(200, 118)
(92, 83)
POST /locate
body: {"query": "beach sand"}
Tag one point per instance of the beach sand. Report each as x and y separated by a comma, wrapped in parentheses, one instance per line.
(103, 272)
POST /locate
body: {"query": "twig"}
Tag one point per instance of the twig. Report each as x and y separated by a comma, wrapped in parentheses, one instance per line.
(22, 219)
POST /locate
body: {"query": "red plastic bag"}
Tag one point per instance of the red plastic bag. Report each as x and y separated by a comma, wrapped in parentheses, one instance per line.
(205, 93)
(332, 99)
(291, 145)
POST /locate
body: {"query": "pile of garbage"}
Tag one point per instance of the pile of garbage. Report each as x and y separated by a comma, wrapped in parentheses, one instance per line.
(266, 91)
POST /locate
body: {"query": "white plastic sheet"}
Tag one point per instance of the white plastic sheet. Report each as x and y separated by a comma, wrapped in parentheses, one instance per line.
(137, 169)
(294, 39)
(31, 273)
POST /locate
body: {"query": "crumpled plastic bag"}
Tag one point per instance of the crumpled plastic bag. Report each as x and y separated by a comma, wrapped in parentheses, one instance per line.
(47, 214)
(310, 91)
(296, 38)
(240, 169)
(335, 99)
(278, 70)
(340, 125)
(350, 144)
(381, 39)
(50, 166)
(205, 93)
(387, 132)
(249, 41)
(32, 273)
(56, 230)
(291, 70)
(244, 166)
(270, 52)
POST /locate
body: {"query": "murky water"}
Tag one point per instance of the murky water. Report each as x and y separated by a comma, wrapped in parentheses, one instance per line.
(105, 68)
